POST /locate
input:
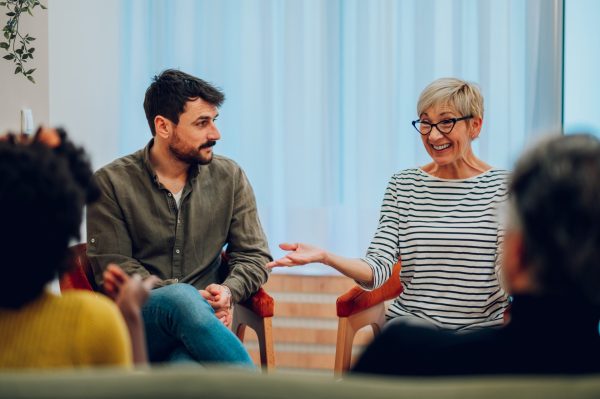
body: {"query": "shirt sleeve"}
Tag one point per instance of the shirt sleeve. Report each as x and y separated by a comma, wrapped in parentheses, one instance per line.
(384, 250)
(108, 239)
(501, 216)
(247, 246)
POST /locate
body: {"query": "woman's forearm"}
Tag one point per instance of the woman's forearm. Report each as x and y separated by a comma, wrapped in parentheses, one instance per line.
(356, 269)
(135, 325)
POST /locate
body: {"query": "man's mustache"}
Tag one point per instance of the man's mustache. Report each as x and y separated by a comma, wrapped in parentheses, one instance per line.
(208, 144)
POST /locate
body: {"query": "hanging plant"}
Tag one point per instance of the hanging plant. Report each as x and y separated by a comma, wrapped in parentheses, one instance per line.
(15, 43)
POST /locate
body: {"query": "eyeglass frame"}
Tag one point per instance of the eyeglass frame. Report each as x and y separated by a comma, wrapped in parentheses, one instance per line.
(435, 125)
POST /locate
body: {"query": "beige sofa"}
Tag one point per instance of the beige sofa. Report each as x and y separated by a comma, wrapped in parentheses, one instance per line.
(214, 383)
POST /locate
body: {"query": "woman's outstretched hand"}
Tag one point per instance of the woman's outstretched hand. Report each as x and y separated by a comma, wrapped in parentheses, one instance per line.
(300, 254)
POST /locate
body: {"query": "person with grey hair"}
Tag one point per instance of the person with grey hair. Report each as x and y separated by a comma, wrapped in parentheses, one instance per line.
(440, 219)
(551, 267)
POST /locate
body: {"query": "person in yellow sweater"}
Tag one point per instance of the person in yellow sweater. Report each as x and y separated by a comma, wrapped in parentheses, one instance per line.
(44, 183)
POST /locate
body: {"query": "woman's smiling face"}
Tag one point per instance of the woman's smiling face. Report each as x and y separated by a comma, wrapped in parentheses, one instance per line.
(453, 148)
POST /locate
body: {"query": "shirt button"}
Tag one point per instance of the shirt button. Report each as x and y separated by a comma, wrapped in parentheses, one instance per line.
(93, 240)
(170, 195)
(177, 251)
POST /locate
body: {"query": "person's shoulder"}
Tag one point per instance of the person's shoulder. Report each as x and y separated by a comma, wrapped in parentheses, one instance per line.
(411, 335)
(495, 174)
(125, 164)
(428, 351)
(407, 174)
(405, 349)
(408, 178)
(494, 177)
(84, 297)
(223, 162)
(88, 303)
(223, 168)
(435, 338)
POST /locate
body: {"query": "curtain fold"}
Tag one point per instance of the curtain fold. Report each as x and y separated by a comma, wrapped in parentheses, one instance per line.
(321, 93)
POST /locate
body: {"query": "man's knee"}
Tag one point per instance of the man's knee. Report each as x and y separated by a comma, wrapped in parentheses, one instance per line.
(179, 296)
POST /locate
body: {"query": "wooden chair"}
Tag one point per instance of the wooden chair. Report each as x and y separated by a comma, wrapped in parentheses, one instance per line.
(358, 308)
(256, 312)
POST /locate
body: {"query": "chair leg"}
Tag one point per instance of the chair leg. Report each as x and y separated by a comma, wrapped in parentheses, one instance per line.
(343, 347)
(239, 330)
(265, 343)
(347, 328)
(263, 326)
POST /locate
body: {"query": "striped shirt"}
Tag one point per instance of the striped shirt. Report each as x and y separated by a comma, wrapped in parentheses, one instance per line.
(447, 234)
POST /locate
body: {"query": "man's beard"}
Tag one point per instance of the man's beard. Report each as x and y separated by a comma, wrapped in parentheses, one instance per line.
(190, 156)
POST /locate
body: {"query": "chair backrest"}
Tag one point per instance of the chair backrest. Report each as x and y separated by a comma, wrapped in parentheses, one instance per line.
(80, 276)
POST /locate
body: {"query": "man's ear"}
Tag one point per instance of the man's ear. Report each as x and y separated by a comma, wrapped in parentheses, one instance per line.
(515, 270)
(162, 126)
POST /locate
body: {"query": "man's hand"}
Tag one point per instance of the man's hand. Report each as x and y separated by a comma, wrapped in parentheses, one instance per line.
(219, 297)
(129, 293)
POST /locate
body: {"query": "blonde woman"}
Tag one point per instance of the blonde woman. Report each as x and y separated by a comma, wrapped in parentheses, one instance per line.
(439, 219)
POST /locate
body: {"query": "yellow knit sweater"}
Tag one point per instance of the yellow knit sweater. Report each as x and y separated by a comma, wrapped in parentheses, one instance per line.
(76, 329)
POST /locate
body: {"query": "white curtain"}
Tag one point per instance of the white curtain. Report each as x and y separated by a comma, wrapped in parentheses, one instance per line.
(321, 93)
(582, 58)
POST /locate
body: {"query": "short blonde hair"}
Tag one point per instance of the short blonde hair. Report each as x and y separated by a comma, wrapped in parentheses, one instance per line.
(464, 96)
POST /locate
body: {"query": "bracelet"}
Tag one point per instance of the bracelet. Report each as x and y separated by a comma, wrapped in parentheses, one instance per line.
(228, 291)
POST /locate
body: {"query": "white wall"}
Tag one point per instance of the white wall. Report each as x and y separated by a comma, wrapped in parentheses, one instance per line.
(16, 92)
(84, 72)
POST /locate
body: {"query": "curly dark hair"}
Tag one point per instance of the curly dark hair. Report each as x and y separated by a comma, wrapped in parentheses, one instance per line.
(555, 192)
(42, 194)
(171, 90)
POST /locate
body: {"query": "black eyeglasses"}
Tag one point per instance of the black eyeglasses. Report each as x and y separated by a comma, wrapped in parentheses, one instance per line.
(444, 127)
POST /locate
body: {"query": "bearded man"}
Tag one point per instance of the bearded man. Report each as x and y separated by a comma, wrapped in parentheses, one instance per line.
(169, 210)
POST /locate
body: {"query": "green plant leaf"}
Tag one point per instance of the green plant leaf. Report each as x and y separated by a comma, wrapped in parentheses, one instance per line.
(18, 54)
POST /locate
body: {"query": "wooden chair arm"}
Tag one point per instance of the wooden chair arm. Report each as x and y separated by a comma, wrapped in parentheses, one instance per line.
(357, 299)
(261, 303)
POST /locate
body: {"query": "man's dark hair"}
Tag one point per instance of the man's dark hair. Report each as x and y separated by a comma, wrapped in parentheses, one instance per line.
(42, 194)
(555, 190)
(171, 90)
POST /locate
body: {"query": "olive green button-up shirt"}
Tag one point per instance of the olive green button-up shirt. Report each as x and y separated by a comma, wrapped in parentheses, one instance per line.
(138, 225)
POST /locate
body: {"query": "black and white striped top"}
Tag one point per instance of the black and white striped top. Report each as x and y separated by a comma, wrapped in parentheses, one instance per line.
(447, 234)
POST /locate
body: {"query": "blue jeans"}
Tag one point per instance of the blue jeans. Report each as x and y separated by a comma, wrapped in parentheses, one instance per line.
(181, 326)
